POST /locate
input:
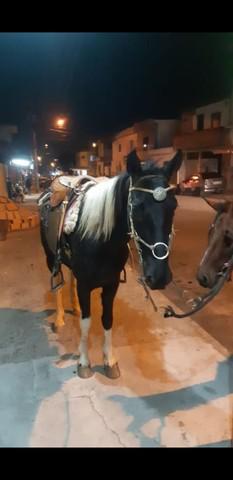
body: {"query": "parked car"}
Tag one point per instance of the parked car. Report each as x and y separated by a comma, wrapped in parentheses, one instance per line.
(201, 183)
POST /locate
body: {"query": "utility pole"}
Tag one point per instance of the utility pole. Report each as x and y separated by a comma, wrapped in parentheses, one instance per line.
(35, 156)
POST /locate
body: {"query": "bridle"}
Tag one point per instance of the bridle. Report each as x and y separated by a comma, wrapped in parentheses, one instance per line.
(159, 194)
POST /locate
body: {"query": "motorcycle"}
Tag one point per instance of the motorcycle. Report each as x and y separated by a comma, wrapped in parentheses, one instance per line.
(18, 192)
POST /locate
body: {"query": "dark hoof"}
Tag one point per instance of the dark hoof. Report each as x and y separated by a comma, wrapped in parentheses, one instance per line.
(84, 372)
(112, 372)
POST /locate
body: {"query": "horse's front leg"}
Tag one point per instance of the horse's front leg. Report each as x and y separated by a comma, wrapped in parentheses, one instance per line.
(84, 295)
(59, 321)
(110, 363)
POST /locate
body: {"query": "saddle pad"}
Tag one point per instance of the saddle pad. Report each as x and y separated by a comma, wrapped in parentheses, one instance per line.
(71, 216)
(72, 213)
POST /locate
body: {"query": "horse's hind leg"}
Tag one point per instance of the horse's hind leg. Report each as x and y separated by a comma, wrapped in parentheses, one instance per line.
(74, 295)
(110, 363)
(84, 367)
(59, 320)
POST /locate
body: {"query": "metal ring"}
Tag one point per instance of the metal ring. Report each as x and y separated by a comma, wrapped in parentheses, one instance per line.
(164, 245)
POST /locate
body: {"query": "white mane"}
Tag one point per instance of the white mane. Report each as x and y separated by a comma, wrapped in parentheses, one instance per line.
(97, 218)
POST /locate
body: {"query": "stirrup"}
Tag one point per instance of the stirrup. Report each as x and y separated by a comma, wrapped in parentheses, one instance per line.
(57, 283)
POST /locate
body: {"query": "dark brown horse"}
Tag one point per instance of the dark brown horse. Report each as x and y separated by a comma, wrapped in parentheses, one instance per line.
(220, 245)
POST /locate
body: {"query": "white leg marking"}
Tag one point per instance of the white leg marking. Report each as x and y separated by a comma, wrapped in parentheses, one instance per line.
(109, 358)
(85, 324)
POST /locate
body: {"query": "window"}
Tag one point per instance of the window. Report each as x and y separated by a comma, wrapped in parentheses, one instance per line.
(145, 143)
(192, 155)
(119, 147)
(131, 145)
(216, 120)
(200, 122)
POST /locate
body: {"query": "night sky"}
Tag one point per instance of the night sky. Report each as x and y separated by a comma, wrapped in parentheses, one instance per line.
(106, 81)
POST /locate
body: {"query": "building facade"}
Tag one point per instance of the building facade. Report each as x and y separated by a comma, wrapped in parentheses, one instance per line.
(206, 140)
(153, 140)
(97, 159)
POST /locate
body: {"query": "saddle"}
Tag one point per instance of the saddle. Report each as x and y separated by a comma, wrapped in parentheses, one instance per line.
(61, 198)
(62, 186)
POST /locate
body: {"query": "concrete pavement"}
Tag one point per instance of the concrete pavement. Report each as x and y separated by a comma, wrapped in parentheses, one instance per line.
(176, 384)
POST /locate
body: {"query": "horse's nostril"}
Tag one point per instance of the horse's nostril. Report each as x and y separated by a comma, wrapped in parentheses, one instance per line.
(149, 279)
(204, 280)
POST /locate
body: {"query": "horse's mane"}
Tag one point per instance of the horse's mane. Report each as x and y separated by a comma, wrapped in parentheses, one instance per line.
(103, 204)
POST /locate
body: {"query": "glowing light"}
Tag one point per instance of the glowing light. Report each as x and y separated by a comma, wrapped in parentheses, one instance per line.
(52, 164)
(20, 162)
(60, 122)
(46, 145)
(94, 145)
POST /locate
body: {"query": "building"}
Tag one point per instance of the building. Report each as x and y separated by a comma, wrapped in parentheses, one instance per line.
(7, 133)
(153, 140)
(82, 161)
(206, 140)
(97, 159)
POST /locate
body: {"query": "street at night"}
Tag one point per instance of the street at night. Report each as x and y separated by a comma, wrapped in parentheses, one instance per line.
(175, 374)
(116, 239)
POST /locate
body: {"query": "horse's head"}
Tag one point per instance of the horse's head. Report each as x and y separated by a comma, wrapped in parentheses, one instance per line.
(220, 244)
(151, 207)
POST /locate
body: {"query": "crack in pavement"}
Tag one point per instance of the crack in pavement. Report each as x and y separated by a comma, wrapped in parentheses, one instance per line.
(93, 406)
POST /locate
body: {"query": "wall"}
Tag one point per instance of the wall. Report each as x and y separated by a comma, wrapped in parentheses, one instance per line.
(82, 159)
(118, 158)
(186, 125)
(3, 188)
(160, 135)
(166, 131)
(207, 110)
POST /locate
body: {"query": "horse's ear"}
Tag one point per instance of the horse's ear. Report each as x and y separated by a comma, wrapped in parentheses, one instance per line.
(173, 165)
(218, 205)
(133, 164)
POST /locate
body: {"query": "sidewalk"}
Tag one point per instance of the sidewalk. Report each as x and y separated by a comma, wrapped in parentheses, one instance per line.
(176, 384)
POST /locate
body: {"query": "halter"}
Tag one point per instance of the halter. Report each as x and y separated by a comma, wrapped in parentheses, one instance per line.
(159, 195)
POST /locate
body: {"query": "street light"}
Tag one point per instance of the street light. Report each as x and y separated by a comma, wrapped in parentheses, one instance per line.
(46, 145)
(94, 144)
(61, 122)
(20, 162)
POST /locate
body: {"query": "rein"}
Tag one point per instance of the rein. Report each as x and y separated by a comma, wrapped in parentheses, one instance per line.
(198, 303)
(201, 302)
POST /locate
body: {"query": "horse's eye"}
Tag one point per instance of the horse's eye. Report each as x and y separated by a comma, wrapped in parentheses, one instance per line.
(228, 240)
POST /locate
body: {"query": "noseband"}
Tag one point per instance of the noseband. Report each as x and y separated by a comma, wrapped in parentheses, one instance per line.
(159, 195)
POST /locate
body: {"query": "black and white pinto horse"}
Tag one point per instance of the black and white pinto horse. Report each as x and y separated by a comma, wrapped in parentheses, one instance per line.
(139, 204)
